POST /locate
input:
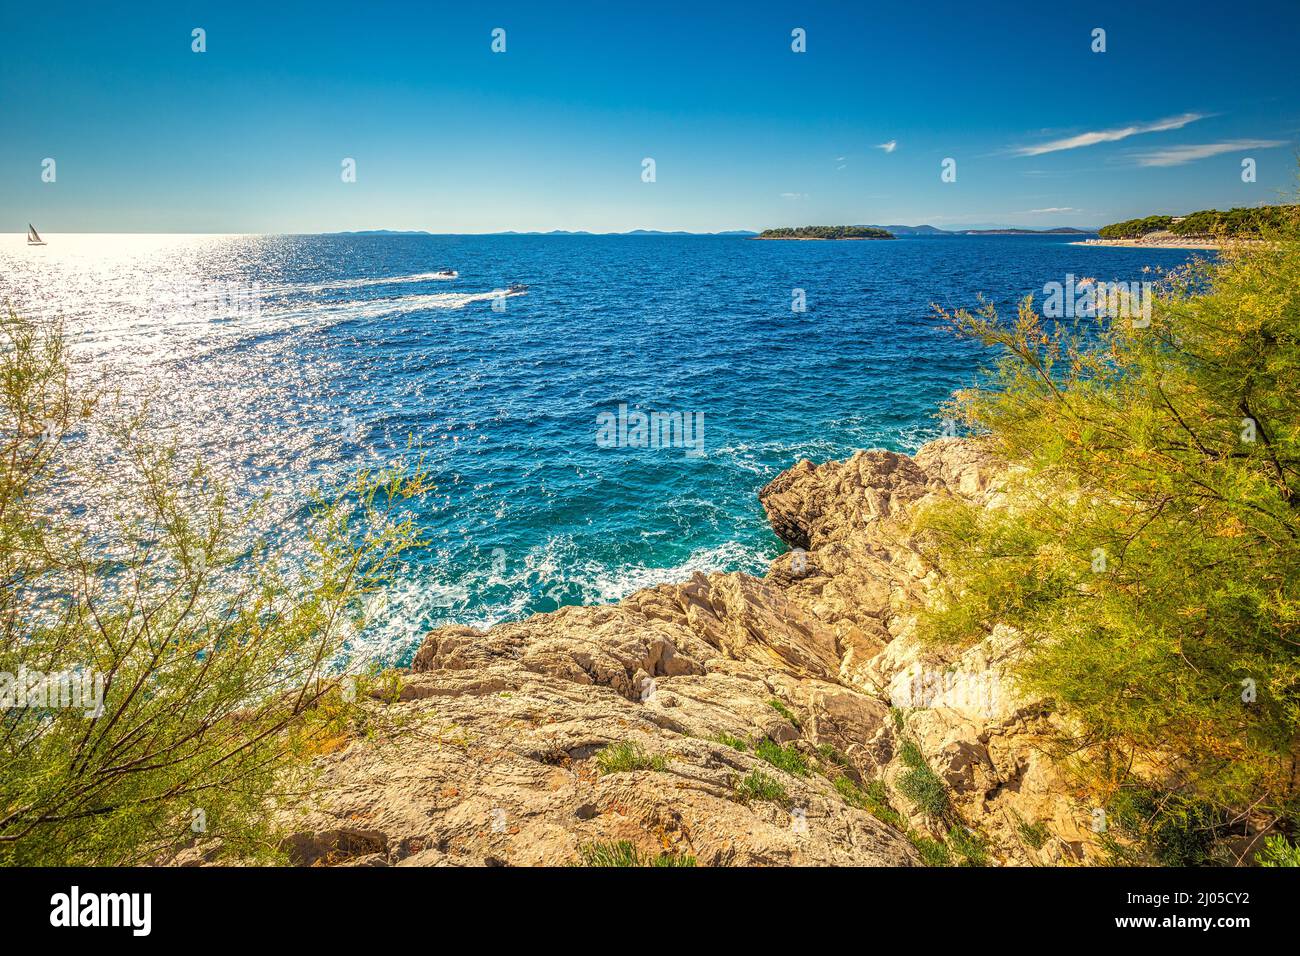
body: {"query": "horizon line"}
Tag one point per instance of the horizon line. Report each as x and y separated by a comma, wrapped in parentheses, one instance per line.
(528, 232)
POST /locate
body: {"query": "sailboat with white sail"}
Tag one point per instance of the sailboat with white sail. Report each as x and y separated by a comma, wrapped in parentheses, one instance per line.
(34, 237)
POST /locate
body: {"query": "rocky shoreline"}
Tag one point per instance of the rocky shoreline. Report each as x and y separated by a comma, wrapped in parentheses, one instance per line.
(726, 720)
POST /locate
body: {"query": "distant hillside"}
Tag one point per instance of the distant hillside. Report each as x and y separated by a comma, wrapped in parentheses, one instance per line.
(1058, 231)
(682, 232)
(382, 232)
(927, 230)
(826, 232)
(1247, 221)
(632, 232)
(553, 232)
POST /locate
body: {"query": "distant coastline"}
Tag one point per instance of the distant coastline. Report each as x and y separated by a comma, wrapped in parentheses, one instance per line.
(742, 233)
(822, 233)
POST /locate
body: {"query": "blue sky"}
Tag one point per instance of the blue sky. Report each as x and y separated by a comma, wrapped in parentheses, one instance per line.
(249, 136)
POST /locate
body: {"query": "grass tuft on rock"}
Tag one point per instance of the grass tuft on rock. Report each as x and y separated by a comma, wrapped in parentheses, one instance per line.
(920, 784)
(785, 758)
(628, 756)
(968, 846)
(873, 799)
(830, 755)
(1033, 835)
(785, 712)
(623, 853)
(757, 785)
(933, 852)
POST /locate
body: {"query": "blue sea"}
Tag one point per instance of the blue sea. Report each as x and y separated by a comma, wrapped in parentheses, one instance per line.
(289, 361)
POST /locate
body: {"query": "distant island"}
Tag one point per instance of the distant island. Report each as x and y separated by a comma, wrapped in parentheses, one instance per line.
(927, 230)
(825, 232)
(1204, 229)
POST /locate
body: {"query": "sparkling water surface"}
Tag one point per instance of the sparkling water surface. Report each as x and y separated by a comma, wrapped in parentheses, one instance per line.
(288, 360)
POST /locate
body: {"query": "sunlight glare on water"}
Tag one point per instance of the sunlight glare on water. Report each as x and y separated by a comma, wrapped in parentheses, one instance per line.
(285, 361)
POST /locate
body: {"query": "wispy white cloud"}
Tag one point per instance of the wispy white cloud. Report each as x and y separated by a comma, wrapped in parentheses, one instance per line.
(1052, 209)
(1109, 135)
(888, 147)
(1178, 155)
(794, 195)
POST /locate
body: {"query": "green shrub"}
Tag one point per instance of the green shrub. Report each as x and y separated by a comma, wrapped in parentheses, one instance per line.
(1146, 826)
(1278, 852)
(221, 655)
(785, 758)
(1149, 554)
(627, 756)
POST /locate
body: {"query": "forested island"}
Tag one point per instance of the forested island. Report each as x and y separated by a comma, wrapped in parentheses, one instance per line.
(825, 232)
(1242, 222)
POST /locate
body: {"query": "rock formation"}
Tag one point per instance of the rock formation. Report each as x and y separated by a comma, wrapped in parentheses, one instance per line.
(492, 751)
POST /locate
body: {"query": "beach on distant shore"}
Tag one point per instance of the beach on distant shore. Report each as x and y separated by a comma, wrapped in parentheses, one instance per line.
(1162, 242)
(1165, 239)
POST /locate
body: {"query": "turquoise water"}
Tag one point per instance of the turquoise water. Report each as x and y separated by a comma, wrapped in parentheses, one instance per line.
(317, 354)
